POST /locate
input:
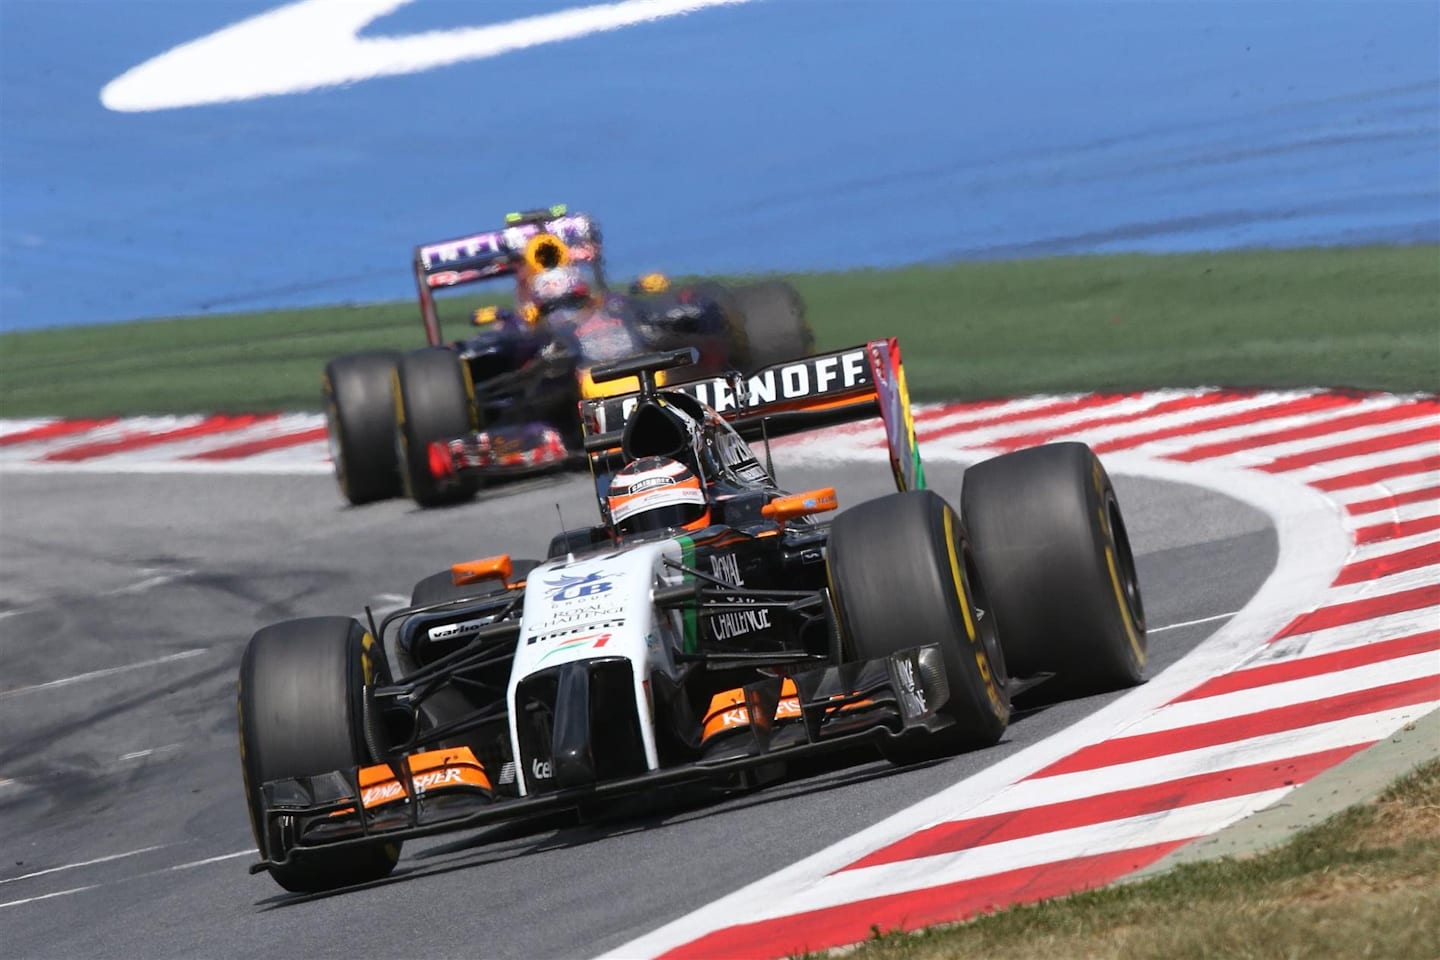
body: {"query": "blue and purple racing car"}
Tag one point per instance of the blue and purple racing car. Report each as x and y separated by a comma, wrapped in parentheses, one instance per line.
(439, 422)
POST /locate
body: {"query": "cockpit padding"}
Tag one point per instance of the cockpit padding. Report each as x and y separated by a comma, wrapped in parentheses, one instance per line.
(654, 430)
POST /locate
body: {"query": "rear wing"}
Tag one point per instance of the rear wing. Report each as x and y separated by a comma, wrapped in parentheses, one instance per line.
(496, 253)
(843, 386)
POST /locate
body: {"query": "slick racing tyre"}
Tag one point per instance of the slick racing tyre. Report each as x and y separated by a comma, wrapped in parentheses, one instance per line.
(1051, 548)
(441, 586)
(775, 323)
(301, 710)
(360, 422)
(432, 402)
(902, 576)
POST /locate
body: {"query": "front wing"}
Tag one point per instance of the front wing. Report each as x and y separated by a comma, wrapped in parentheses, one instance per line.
(841, 707)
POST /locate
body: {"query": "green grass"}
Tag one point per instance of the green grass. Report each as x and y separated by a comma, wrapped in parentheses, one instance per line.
(1366, 317)
(1362, 884)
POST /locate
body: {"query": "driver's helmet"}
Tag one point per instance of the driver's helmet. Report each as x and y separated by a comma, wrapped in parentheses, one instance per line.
(657, 493)
(559, 288)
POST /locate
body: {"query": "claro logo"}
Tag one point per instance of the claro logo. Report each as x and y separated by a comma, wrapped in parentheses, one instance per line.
(314, 44)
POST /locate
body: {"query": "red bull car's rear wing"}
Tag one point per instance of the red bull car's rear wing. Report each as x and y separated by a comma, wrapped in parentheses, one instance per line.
(497, 253)
(842, 386)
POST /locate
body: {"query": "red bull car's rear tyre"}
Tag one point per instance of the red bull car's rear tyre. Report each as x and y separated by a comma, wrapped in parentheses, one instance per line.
(901, 575)
(432, 402)
(301, 709)
(775, 324)
(360, 422)
(1051, 547)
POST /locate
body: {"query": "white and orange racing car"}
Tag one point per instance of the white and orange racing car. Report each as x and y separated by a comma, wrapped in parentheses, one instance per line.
(711, 629)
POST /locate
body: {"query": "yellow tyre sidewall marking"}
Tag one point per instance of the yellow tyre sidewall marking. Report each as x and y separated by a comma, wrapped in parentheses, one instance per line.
(1130, 632)
(1103, 514)
(982, 661)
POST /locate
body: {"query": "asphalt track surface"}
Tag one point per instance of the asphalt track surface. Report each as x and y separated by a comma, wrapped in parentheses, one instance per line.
(156, 582)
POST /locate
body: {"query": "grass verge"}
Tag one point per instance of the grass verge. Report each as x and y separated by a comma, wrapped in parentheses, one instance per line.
(1366, 317)
(1361, 884)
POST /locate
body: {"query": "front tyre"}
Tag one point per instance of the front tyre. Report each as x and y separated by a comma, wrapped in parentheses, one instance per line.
(301, 713)
(902, 576)
(1051, 547)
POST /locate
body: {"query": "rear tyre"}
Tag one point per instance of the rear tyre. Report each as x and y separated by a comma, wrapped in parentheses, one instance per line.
(360, 423)
(1050, 544)
(902, 576)
(775, 323)
(432, 402)
(301, 713)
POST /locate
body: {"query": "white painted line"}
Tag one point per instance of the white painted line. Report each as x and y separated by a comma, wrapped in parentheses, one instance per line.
(1180, 418)
(1312, 547)
(1349, 465)
(850, 886)
(793, 888)
(1350, 635)
(1373, 491)
(759, 903)
(1259, 426)
(148, 873)
(84, 863)
(983, 436)
(46, 896)
(1270, 748)
(248, 466)
(1382, 548)
(283, 425)
(1399, 514)
(1377, 588)
(957, 413)
(9, 427)
(1191, 623)
(97, 674)
(140, 586)
(139, 754)
(1273, 696)
(149, 583)
(224, 856)
(313, 44)
(1338, 438)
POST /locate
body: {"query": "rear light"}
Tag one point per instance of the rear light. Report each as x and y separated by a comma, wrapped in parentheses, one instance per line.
(441, 466)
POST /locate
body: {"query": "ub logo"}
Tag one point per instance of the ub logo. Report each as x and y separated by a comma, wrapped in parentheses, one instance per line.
(578, 588)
